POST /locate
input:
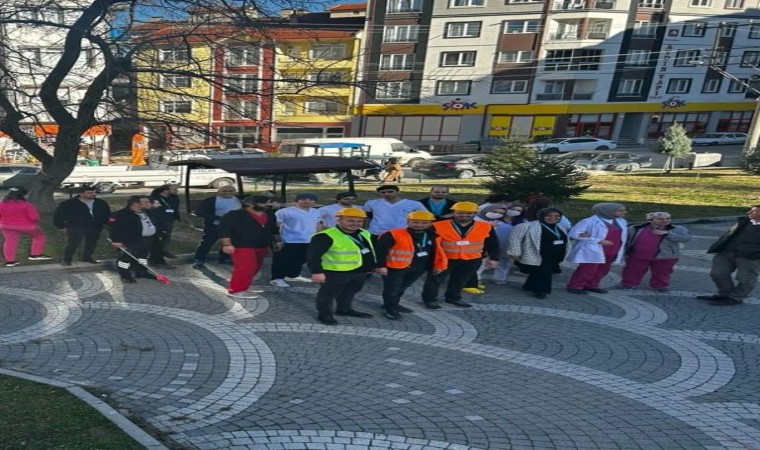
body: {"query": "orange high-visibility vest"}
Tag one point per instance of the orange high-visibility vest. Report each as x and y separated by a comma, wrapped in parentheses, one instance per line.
(401, 254)
(456, 246)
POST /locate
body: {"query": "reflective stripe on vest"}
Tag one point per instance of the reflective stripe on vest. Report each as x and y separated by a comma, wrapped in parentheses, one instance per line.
(344, 254)
(475, 238)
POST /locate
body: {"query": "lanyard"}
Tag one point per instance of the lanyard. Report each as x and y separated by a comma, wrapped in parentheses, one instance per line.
(554, 232)
(459, 229)
(360, 242)
(423, 241)
(163, 201)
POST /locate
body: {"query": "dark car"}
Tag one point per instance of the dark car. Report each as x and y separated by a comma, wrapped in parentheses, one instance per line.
(620, 161)
(451, 166)
(16, 175)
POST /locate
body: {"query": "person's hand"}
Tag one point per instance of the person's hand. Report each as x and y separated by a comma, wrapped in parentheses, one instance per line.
(117, 245)
(278, 246)
(318, 278)
(605, 243)
(381, 271)
(228, 249)
(491, 264)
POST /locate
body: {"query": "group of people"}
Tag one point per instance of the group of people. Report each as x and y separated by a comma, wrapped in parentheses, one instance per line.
(451, 243)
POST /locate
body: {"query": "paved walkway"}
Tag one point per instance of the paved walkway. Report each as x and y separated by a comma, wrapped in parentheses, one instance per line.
(616, 371)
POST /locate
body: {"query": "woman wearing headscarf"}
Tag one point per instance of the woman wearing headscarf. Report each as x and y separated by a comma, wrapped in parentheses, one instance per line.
(597, 244)
(539, 247)
(654, 246)
(537, 203)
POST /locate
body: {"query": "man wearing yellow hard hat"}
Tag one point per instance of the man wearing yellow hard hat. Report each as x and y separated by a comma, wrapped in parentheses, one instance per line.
(340, 258)
(403, 255)
(464, 241)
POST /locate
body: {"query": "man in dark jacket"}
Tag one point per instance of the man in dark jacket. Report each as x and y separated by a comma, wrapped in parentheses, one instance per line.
(166, 208)
(131, 228)
(439, 203)
(81, 217)
(211, 211)
(737, 250)
(247, 234)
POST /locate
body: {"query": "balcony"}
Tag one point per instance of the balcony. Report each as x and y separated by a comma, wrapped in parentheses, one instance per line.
(576, 36)
(583, 5)
(561, 96)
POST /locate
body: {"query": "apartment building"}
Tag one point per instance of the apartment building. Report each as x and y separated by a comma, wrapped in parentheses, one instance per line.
(465, 70)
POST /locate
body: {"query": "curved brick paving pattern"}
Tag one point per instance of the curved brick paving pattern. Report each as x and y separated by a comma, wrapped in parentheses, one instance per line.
(622, 370)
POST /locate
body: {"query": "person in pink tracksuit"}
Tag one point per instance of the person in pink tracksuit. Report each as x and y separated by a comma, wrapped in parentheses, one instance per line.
(17, 217)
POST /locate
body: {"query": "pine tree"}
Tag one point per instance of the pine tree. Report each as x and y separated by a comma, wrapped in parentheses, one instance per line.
(674, 144)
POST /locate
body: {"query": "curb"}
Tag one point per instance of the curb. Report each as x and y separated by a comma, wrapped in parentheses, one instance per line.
(121, 422)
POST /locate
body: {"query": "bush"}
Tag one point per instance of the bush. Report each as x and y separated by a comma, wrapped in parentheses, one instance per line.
(675, 143)
(751, 162)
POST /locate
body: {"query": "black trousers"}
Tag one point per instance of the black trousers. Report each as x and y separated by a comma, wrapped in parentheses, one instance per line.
(340, 287)
(74, 237)
(125, 264)
(455, 278)
(209, 238)
(540, 277)
(396, 283)
(289, 261)
(156, 255)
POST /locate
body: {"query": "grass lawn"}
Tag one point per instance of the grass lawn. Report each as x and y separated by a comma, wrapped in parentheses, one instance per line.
(37, 416)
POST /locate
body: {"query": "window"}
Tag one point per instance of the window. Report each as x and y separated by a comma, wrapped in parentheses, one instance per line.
(175, 55)
(509, 86)
(521, 26)
(738, 87)
(403, 6)
(463, 29)
(32, 55)
(394, 89)
(452, 88)
(243, 84)
(328, 51)
(754, 32)
(734, 4)
(324, 107)
(176, 106)
(651, 4)
(523, 1)
(397, 62)
(560, 60)
(750, 59)
(242, 56)
(630, 87)
(637, 58)
(679, 86)
(457, 59)
(515, 57)
(293, 52)
(642, 28)
(327, 77)
(239, 137)
(694, 29)
(176, 81)
(719, 58)
(241, 109)
(711, 86)
(401, 33)
(701, 3)
(464, 3)
(91, 58)
(686, 58)
(728, 29)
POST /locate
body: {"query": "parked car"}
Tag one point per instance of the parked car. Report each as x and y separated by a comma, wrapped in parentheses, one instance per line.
(621, 161)
(451, 166)
(16, 175)
(572, 144)
(719, 139)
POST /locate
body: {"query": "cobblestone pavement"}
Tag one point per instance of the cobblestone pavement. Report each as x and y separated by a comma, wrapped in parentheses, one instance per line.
(622, 370)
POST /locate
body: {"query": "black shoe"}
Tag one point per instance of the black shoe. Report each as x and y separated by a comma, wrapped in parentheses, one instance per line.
(715, 297)
(577, 291)
(91, 260)
(726, 302)
(128, 280)
(540, 294)
(199, 264)
(404, 309)
(597, 290)
(352, 313)
(432, 305)
(459, 303)
(170, 255)
(327, 320)
(65, 263)
(392, 315)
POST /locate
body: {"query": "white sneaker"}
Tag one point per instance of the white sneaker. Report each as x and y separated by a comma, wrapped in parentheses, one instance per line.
(299, 279)
(243, 294)
(279, 283)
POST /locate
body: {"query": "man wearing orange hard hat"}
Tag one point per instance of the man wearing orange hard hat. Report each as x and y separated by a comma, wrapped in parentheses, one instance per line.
(464, 241)
(340, 258)
(404, 254)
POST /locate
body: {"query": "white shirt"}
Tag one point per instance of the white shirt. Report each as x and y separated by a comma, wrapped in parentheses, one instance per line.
(387, 216)
(297, 225)
(224, 205)
(327, 213)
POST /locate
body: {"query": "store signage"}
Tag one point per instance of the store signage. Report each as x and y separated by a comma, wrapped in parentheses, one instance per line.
(674, 102)
(457, 104)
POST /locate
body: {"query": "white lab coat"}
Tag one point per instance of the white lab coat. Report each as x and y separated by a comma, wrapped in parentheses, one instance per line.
(588, 249)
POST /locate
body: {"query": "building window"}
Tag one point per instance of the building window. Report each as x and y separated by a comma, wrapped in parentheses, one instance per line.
(711, 86)
(325, 107)
(452, 88)
(515, 57)
(243, 83)
(750, 59)
(754, 32)
(509, 86)
(327, 51)
(694, 29)
(679, 86)
(457, 59)
(523, 1)
(630, 88)
(394, 89)
(686, 58)
(176, 81)
(401, 33)
(463, 29)
(637, 58)
(239, 137)
(658, 4)
(738, 87)
(734, 4)
(176, 106)
(397, 62)
(241, 109)
(719, 58)
(404, 6)
(242, 56)
(175, 55)
(465, 3)
(728, 30)
(561, 60)
(701, 3)
(521, 26)
(643, 28)
(329, 77)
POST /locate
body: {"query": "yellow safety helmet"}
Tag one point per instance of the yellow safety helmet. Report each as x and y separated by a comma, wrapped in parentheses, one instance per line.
(351, 212)
(465, 207)
(420, 215)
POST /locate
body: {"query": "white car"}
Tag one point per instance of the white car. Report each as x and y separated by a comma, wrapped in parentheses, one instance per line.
(571, 144)
(719, 139)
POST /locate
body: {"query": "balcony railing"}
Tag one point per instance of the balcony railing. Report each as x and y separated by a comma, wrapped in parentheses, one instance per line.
(578, 36)
(589, 4)
(572, 96)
